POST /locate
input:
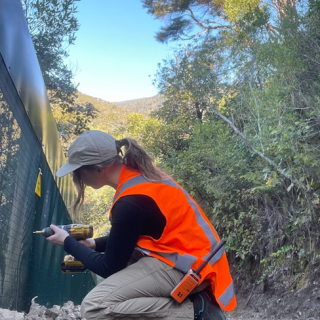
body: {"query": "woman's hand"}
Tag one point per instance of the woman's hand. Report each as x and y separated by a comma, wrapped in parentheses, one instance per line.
(58, 237)
(90, 243)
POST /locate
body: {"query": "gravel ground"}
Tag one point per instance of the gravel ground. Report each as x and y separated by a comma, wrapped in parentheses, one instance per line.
(303, 304)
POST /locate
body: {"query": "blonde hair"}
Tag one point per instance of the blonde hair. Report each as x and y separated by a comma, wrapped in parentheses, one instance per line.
(134, 157)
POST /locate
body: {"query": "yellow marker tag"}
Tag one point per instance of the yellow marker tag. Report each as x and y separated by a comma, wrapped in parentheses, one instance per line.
(269, 182)
(38, 185)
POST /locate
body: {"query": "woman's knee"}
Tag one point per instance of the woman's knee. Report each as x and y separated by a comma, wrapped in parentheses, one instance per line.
(88, 309)
(94, 304)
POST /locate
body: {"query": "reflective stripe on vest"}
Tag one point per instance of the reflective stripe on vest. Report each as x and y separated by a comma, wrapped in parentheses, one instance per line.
(180, 262)
(227, 296)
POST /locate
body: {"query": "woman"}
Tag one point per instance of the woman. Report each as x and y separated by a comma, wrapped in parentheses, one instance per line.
(158, 233)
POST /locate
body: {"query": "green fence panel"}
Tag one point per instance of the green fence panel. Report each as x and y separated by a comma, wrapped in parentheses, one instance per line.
(29, 142)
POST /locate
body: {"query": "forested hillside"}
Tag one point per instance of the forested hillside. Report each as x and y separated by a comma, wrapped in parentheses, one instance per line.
(110, 117)
(143, 105)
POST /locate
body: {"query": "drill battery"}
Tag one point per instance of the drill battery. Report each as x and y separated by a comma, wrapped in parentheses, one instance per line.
(71, 265)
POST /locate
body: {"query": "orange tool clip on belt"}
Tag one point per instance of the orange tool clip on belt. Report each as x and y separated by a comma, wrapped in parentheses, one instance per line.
(192, 278)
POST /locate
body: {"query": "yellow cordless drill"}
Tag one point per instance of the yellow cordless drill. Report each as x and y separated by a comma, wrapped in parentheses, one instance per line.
(77, 231)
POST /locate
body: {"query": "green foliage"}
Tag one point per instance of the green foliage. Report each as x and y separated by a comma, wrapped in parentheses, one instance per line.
(188, 19)
(53, 25)
(251, 159)
(96, 208)
(186, 81)
(72, 120)
(237, 10)
(174, 31)
(143, 129)
(275, 260)
(184, 19)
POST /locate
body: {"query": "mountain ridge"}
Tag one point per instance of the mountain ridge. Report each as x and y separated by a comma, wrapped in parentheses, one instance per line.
(141, 105)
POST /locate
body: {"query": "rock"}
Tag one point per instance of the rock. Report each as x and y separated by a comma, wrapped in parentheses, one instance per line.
(36, 311)
(51, 313)
(68, 307)
(6, 314)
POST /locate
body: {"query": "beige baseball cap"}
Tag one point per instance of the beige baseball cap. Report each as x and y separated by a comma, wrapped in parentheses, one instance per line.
(91, 147)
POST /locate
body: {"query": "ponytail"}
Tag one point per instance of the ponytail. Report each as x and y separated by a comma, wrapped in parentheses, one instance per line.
(136, 158)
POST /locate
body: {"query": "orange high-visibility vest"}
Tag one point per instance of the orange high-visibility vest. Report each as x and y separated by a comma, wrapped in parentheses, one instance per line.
(188, 236)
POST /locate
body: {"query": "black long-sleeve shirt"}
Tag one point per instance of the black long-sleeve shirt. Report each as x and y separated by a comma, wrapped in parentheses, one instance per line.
(132, 216)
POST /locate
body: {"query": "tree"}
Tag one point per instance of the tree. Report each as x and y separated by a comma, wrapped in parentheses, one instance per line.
(186, 19)
(72, 120)
(186, 81)
(53, 26)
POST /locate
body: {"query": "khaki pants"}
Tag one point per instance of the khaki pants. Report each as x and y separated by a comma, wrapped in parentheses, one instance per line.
(140, 291)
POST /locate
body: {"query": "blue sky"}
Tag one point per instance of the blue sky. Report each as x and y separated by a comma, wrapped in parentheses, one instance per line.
(116, 51)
